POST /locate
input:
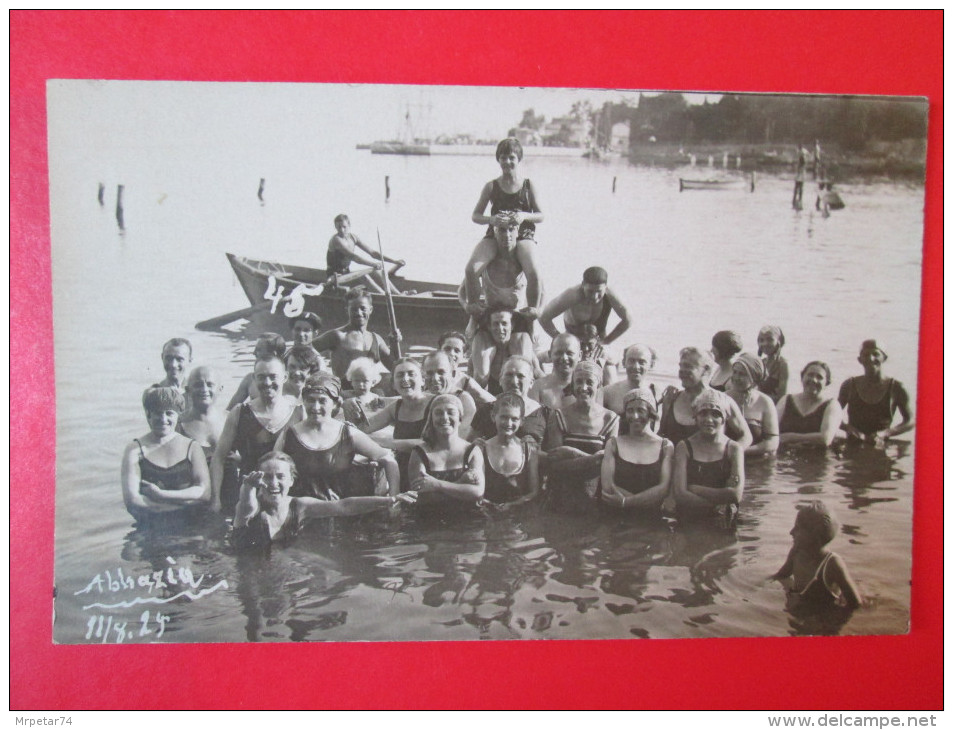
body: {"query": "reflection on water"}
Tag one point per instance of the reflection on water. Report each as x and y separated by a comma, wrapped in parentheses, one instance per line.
(532, 575)
(687, 265)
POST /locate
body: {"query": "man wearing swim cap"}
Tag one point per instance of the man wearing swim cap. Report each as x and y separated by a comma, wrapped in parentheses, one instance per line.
(590, 302)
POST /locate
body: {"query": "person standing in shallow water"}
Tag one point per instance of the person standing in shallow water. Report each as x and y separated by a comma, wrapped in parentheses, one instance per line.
(747, 373)
(709, 470)
(813, 574)
(806, 417)
(678, 418)
(323, 448)
(575, 442)
(637, 466)
(872, 400)
(253, 427)
(163, 471)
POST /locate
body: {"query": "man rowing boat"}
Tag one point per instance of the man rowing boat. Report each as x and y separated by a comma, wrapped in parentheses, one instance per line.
(343, 249)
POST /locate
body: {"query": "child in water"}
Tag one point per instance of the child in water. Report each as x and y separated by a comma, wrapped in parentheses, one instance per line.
(812, 573)
(266, 514)
(363, 401)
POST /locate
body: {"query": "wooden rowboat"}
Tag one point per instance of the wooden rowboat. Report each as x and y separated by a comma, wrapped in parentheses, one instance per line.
(277, 292)
(736, 183)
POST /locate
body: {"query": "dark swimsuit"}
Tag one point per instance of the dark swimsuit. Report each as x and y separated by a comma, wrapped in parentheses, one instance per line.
(794, 421)
(442, 505)
(522, 200)
(252, 441)
(576, 492)
(600, 322)
(533, 427)
(867, 417)
(256, 533)
(772, 381)
(635, 478)
(817, 591)
(712, 474)
(502, 488)
(174, 478)
(322, 473)
(407, 430)
(341, 358)
(671, 429)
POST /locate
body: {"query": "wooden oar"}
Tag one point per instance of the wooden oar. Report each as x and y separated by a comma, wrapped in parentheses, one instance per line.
(390, 297)
(223, 319)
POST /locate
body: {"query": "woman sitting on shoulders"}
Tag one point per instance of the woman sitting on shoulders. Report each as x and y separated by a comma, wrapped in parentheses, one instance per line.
(678, 419)
(806, 417)
(637, 466)
(511, 463)
(323, 448)
(253, 428)
(445, 468)
(724, 346)
(407, 414)
(709, 467)
(266, 512)
(758, 409)
(163, 471)
(575, 441)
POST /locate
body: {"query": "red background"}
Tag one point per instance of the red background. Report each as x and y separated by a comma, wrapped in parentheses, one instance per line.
(857, 52)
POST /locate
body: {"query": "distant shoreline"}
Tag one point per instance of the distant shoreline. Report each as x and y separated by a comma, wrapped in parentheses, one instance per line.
(903, 160)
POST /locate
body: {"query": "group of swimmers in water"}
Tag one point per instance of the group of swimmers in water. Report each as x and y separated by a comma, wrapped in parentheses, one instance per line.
(317, 431)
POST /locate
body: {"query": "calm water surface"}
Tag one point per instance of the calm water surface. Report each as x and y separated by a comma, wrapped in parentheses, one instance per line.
(688, 264)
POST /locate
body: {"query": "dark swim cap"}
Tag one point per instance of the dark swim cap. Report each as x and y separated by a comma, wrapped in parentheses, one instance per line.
(816, 519)
(595, 275)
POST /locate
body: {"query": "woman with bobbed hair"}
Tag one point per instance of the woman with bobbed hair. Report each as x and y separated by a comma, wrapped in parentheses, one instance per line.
(806, 417)
(724, 346)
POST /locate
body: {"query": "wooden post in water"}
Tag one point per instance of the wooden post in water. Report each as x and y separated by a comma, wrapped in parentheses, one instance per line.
(261, 190)
(100, 194)
(386, 188)
(119, 216)
(614, 178)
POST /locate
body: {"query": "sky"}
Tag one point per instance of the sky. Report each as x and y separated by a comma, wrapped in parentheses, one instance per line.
(486, 112)
(139, 113)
